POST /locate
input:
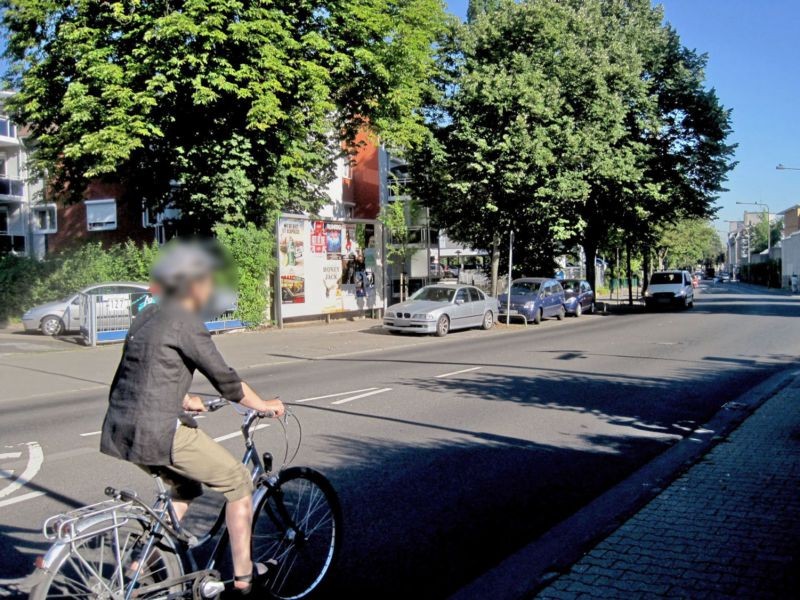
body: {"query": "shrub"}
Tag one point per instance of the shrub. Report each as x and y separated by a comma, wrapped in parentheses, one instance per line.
(252, 252)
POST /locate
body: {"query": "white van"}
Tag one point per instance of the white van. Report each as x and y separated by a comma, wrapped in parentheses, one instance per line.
(669, 288)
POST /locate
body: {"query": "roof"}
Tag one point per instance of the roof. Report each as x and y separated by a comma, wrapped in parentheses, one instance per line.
(791, 208)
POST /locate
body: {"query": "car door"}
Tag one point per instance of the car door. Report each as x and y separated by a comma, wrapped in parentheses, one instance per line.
(462, 309)
(478, 306)
(72, 316)
(558, 297)
(547, 299)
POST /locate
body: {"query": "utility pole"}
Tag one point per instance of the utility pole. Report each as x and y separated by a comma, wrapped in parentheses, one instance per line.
(510, 264)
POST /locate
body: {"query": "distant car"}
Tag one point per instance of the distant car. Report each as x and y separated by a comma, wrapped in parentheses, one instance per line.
(440, 309)
(669, 288)
(64, 316)
(535, 298)
(578, 297)
(724, 277)
(442, 271)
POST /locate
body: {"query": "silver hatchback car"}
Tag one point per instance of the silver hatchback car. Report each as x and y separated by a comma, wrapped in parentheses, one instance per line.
(64, 316)
(441, 308)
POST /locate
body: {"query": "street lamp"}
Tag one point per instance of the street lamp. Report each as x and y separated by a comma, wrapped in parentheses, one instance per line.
(769, 232)
(783, 167)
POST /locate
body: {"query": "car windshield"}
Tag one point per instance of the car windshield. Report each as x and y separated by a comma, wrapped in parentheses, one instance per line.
(665, 278)
(435, 294)
(524, 288)
(570, 284)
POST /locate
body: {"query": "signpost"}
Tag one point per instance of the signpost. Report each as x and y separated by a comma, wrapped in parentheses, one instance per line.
(510, 264)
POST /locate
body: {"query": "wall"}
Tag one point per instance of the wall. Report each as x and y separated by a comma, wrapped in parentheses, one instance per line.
(790, 263)
(72, 220)
(366, 178)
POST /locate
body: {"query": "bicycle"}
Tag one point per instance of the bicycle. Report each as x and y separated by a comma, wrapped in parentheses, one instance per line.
(125, 549)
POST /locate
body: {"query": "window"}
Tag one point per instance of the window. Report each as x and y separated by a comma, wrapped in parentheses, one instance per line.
(475, 295)
(2, 167)
(7, 128)
(347, 168)
(3, 220)
(462, 295)
(101, 215)
(45, 219)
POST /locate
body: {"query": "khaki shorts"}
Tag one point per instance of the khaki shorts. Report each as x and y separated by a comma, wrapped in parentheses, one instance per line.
(197, 459)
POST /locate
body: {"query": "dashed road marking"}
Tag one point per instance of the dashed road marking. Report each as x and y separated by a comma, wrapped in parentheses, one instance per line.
(458, 372)
(358, 397)
(22, 498)
(10, 455)
(229, 436)
(335, 395)
(91, 433)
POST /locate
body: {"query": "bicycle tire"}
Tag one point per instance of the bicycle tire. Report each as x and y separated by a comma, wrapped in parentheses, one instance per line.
(55, 581)
(305, 497)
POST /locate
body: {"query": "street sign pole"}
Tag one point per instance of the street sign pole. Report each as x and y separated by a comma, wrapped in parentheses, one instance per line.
(510, 264)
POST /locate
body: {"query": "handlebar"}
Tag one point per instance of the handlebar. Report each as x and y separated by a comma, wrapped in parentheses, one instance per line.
(215, 404)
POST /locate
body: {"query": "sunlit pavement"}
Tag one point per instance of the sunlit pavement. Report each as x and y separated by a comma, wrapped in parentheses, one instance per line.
(448, 455)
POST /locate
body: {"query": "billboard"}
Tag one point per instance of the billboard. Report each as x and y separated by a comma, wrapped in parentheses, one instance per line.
(327, 266)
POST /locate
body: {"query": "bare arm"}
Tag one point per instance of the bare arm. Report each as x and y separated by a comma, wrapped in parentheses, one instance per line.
(252, 400)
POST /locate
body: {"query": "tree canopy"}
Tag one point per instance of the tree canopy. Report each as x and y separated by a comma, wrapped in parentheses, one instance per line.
(227, 109)
(578, 121)
(687, 243)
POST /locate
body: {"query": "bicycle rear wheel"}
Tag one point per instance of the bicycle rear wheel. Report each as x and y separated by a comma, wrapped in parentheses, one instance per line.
(299, 525)
(88, 568)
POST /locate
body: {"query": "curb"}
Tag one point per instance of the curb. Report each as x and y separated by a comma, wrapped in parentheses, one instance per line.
(537, 564)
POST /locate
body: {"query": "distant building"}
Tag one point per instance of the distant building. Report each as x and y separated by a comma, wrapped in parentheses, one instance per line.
(791, 220)
(26, 220)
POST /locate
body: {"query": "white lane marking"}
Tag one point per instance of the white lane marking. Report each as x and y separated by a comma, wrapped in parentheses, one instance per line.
(229, 436)
(372, 393)
(23, 498)
(10, 455)
(458, 372)
(35, 460)
(335, 395)
(91, 433)
(6, 474)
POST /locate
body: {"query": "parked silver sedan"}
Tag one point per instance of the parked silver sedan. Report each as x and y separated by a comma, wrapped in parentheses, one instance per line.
(441, 308)
(62, 316)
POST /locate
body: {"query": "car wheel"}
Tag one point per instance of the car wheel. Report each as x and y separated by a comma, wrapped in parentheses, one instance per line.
(578, 310)
(538, 317)
(52, 325)
(562, 312)
(442, 326)
(488, 320)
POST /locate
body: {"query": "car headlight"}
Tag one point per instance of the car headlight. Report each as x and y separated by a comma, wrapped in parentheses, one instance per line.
(27, 315)
(648, 294)
(681, 293)
(424, 317)
(530, 304)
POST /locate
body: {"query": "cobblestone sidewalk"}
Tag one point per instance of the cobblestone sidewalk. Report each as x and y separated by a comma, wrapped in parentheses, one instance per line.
(729, 527)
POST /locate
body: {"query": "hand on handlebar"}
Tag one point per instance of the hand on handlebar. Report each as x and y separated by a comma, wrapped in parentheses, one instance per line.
(194, 404)
(273, 409)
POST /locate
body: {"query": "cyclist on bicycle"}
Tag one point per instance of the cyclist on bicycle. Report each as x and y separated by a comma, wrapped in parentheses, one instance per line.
(147, 421)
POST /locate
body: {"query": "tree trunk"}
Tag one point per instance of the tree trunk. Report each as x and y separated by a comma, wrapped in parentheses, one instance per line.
(630, 272)
(590, 252)
(645, 267)
(495, 263)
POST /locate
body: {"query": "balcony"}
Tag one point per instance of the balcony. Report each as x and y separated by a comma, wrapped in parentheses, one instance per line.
(399, 188)
(14, 188)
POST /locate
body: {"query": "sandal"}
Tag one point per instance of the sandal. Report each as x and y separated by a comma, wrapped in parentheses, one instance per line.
(257, 579)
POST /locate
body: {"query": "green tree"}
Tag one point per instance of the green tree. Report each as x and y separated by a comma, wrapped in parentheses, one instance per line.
(578, 122)
(759, 240)
(227, 109)
(395, 217)
(687, 243)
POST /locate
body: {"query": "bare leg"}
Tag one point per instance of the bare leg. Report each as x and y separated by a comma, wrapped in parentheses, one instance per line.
(239, 519)
(180, 507)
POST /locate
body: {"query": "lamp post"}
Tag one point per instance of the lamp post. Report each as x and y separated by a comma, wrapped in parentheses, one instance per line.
(767, 213)
(783, 167)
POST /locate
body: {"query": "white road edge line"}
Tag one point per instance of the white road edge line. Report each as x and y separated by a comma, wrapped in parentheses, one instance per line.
(10, 455)
(458, 372)
(229, 436)
(335, 395)
(91, 433)
(23, 498)
(372, 393)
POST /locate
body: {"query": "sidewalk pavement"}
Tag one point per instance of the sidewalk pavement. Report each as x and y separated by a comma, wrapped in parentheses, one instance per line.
(729, 527)
(56, 367)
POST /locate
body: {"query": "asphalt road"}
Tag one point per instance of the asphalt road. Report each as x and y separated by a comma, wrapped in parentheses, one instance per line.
(447, 456)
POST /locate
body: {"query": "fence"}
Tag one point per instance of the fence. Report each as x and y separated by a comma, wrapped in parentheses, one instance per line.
(106, 318)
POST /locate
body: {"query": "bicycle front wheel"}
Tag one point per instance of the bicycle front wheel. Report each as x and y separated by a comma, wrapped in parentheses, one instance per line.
(298, 525)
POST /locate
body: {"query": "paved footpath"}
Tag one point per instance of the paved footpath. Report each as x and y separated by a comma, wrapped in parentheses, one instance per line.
(728, 527)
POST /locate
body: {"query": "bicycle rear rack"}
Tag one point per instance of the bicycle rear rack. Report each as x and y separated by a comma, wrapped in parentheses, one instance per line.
(86, 521)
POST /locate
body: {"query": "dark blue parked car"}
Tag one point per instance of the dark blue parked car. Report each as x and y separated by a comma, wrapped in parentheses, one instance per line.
(578, 297)
(534, 298)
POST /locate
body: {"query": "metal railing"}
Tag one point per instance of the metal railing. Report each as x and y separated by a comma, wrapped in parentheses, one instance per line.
(106, 318)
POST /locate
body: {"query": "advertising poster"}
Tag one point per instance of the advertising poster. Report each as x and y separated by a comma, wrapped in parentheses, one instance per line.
(333, 240)
(331, 281)
(292, 260)
(318, 244)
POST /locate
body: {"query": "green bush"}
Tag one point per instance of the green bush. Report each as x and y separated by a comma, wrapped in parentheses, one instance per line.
(252, 251)
(25, 282)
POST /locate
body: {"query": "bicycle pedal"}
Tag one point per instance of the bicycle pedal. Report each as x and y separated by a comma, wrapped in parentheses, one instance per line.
(211, 588)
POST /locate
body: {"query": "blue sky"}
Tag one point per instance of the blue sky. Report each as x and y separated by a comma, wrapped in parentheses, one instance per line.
(754, 63)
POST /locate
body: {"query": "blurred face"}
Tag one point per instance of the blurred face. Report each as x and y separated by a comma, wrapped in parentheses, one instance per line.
(200, 292)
